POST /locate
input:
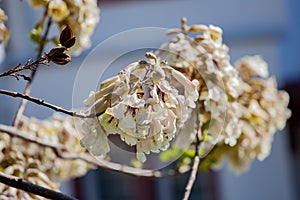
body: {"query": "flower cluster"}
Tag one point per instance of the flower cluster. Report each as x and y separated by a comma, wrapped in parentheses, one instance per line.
(240, 107)
(37, 164)
(81, 15)
(145, 104)
(264, 111)
(205, 58)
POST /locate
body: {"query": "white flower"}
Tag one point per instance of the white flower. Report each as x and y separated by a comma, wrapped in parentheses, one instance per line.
(43, 165)
(240, 108)
(58, 10)
(4, 33)
(95, 142)
(262, 111)
(81, 15)
(252, 65)
(156, 101)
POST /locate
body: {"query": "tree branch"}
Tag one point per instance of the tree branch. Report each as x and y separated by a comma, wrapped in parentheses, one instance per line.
(192, 178)
(103, 164)
(16, 133)
(19, 183)
(32, 75)
(29, 65)
(196, 163)
(44, 103)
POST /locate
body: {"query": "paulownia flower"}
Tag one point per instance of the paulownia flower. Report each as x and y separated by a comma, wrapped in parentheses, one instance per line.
(205, 58)
(262, 111)
(145, 104)
(240, 108)
(37, 164)
(4, 33)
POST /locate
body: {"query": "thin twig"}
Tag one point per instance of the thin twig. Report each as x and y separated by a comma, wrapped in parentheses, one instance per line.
(19, 183)
(103, 164)
(29, 65)
(44, 103)
(32, 75)
(49, 105)
(196, 163)
(192, 178)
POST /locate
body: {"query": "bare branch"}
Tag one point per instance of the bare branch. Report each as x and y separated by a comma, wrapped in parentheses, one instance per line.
(196, 163)
(31, 65)
(44, 103)
(115, 167)
(28, 87)
(19, 183)
(192, 178)
(16, 133)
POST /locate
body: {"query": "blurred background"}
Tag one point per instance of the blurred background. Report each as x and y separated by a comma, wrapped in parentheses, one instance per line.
(270, 28)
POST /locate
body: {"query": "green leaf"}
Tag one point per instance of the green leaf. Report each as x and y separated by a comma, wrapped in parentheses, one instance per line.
(170, 154)
(34, 36)
(206, 125)
(185, 161)
(36, 33)
(207, 163)
(190, 153)
(136, 163)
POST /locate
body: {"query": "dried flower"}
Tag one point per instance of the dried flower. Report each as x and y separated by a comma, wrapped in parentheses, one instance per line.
(58, 56)
(66, 37)
(83, 18)
(145, 104)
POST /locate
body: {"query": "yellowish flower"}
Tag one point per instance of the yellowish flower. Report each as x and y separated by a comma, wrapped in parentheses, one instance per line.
(4, 33)
(58, 10)
(81, 15)
(38, 3)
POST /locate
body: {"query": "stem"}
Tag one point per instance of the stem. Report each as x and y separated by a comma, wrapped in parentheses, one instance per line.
(192, 178)
(32, 75)
(86, 157)
(12, 131)
(29, 65)
(19, 183)
(196, 163)
(44, 103)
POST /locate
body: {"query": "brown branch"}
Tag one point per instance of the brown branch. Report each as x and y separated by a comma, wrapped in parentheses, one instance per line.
(49, 105)
(16, 133)
(21, 184)
(103, 164)
(192, 177)
(44, 103)
(119, 168)
(32, 75)
(29, 65)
